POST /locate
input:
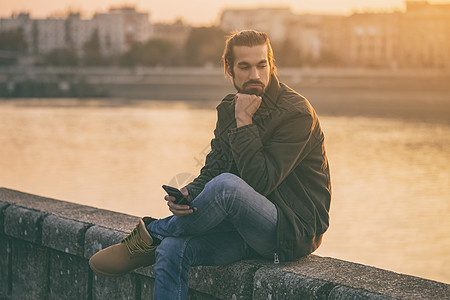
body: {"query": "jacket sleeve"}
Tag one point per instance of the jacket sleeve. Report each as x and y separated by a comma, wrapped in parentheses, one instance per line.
(215, 164)
(264, 167)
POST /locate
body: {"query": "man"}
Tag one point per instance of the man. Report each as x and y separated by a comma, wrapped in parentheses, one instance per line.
(264, 190)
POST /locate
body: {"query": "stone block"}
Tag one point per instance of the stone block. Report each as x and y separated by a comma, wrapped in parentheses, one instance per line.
(68, 276)
(64, 235)
(275, 283)
(24, 223)
(195, 295)
(147, 285)
(29, 270)
(5, 264)
(119, 288)
(3, 206)
(348, 293)
(124, 287)
(98, 238)
(211, 280)
(146, 271)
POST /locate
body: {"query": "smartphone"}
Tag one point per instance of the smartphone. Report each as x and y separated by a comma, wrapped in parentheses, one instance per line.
(179, 197)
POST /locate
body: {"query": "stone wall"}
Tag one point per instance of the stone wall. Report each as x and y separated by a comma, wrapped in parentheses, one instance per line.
(45, 245)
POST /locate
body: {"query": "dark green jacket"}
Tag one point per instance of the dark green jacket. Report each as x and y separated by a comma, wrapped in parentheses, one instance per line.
(282, 156)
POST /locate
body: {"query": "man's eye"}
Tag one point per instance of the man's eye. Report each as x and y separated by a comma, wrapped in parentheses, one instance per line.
(244, 67)
(262, 66)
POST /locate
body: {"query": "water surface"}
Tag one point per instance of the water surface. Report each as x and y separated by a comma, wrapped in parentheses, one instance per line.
(391, 202)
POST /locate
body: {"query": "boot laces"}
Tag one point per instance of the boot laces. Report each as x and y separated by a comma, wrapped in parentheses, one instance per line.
(135, 243)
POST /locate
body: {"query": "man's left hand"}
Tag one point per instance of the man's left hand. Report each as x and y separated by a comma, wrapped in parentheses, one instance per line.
(180, 209)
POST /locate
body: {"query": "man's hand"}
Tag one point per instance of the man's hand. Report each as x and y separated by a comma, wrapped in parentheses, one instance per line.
(178, 209)
(245, 107)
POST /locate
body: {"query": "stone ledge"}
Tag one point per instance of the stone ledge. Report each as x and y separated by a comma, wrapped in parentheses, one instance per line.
(3, 206)
(344, 293)
(24, 223)
(233, 281)
(64, 235)
(98, 238)
(68, 210)
(5, 256)
(358, 276)
(52, 238)
(274, 283)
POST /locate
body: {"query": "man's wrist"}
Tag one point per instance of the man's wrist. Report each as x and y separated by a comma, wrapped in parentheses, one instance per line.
(243, 122)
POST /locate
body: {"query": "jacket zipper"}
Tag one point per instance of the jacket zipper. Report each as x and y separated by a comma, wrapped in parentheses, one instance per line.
(275, 258)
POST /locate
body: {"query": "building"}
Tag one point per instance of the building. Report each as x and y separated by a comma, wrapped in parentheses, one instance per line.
(177, 33)
(373, 40)
(78, 32)
(272, 20)
(317, 37)
(49, 34)
(425, 35)
(419, 37)
(333, 35)
(416, 38)
(117, 30)
(120, 27)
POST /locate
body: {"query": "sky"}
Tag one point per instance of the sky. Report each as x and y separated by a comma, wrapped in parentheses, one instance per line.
(196, 12)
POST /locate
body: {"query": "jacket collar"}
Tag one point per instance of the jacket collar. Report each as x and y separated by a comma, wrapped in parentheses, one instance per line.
(270, 97)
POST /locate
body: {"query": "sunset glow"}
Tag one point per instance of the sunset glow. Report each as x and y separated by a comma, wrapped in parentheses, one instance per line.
(202, 12)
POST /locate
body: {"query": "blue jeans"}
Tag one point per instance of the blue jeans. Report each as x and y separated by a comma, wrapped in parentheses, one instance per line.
(231, 223)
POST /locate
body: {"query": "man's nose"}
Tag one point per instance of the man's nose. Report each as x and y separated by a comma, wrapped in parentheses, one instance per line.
(254, 74)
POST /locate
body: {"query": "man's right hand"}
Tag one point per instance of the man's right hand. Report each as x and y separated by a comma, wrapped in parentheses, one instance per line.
(179, 209)
(245, 107)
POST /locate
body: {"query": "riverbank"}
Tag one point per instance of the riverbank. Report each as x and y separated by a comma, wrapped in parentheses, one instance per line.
(408, 94)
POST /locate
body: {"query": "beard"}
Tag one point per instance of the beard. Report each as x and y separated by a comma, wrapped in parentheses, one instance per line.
(253, 90)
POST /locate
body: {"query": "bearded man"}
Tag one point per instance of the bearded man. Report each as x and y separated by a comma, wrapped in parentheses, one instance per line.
(264, 190)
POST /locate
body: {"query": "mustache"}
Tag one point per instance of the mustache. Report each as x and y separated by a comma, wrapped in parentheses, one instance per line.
(253, 82)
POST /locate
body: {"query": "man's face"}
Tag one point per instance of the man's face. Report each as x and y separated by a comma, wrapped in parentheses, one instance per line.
(251, 69)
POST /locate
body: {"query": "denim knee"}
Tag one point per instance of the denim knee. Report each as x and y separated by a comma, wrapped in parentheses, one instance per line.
(226, 181)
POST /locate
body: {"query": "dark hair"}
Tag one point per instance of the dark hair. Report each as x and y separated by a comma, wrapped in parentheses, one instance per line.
(247, 38)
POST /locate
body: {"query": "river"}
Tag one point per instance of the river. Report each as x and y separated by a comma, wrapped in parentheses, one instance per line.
(390, 176)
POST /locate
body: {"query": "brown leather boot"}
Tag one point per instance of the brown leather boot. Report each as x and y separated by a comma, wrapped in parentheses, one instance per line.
(134, 251)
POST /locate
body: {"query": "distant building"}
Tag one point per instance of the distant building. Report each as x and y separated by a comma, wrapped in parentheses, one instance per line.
(425, 35)
(373, 40)
(120, 27)
(334, 37)
(419, 37)
(310, 36)
(272, 20)
(315, 36)
(78, 32)
(50, 34)
(177, 33)
(117, 30)
(416, 38)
